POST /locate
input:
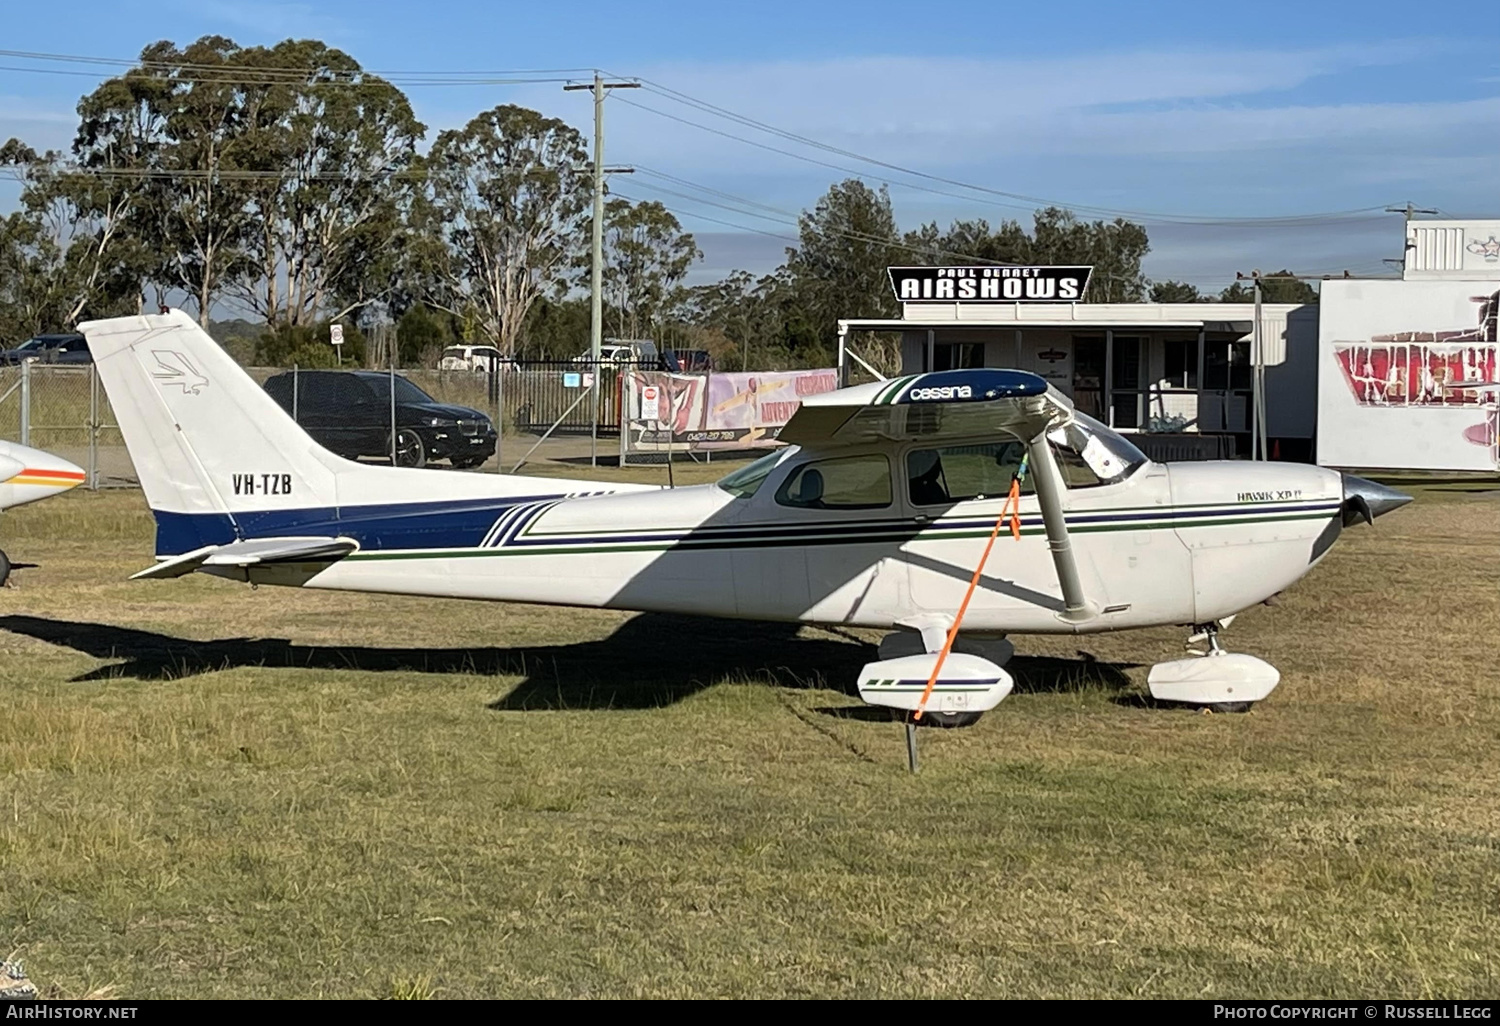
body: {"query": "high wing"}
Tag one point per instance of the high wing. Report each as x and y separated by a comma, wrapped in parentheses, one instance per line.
(255, 552)
(956, 404)
(953, 403)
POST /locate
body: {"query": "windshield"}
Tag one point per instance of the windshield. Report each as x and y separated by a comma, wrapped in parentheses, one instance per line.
(744, 482)
(1095, 448)
(454, 351)
(406, 392)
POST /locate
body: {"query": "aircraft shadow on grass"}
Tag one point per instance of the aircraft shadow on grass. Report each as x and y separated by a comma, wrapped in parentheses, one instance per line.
(651, 660)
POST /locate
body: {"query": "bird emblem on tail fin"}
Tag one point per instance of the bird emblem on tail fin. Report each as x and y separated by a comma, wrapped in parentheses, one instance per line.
(176, 369)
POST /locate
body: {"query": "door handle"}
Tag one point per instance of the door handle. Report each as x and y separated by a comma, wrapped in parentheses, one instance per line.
(921, 518)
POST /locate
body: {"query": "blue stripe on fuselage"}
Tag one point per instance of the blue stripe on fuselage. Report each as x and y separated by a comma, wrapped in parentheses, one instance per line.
(441, 524)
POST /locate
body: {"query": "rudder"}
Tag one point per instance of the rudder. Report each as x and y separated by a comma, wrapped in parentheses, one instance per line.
(204, 437)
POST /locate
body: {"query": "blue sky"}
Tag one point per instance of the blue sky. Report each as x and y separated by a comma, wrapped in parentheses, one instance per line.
(1213, 111)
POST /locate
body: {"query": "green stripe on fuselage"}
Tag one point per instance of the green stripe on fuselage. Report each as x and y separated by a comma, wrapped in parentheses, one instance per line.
(782, 538)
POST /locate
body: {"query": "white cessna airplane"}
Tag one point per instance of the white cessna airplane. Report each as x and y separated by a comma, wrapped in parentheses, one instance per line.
(28, 474)
(877, 516)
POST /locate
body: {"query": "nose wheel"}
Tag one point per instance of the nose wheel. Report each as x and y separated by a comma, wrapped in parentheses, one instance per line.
(1213, 679)
(4, 569)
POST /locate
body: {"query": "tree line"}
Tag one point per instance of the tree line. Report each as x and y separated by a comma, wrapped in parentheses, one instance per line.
(289, 184)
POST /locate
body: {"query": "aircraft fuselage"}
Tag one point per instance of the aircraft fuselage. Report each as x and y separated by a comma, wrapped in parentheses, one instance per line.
(1171, 543)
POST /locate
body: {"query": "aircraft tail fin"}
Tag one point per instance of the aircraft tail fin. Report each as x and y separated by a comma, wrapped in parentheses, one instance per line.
(205, 438)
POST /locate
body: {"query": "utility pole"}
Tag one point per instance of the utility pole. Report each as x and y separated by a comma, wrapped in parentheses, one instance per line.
(1258, 449)
(596, 267)
(1410, 212)
(1258, 363)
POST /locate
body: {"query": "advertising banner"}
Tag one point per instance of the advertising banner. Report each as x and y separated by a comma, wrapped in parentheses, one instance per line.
(1408, 375)
(717, 411)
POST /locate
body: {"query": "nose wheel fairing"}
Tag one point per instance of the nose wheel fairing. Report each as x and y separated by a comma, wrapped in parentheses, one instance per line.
(1214, 679)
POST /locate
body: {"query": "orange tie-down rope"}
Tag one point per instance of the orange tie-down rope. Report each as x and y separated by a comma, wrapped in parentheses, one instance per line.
(1012, 510)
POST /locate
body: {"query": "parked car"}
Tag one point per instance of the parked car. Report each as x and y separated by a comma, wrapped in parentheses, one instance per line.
(694, 361)
(640, 353)
(478, 359)
(609, 353)
(66, 348)
(349, 412)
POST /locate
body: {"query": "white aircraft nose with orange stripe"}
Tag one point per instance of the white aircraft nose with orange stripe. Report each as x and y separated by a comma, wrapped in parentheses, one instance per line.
(28, 474)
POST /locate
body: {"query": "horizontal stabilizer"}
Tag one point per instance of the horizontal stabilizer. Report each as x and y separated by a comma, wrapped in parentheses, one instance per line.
(255, 552)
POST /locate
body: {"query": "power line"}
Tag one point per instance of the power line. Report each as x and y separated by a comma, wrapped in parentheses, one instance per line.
(239, 74)
(310, 80)
(17, 174)
(292, 73)
(251, 75)
(655, 173)
(1028, 206)
(714, 220)
(786, 217)
(803, 157)
(1015, 198)
(838, 233)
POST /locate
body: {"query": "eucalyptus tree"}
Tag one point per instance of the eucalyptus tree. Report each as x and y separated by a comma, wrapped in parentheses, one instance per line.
(1280, 287)
(838, 270)
(73, 242)
(1175, 292)
(192, 215)
(509, 194)
(1114, 249)
(328, 150)
(646, 257)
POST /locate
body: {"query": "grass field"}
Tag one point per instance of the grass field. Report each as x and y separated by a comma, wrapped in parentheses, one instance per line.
(209, 791)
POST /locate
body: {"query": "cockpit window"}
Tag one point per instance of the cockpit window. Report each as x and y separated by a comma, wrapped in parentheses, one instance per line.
(1090, 454)
(958, 473)
(744, 482)
(850, 482)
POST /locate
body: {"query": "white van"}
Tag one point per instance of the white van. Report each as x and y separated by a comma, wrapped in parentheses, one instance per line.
(477, 359)
(620, 350)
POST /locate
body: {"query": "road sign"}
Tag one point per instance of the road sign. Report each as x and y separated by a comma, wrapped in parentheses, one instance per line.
(650, 402)
(337, 333)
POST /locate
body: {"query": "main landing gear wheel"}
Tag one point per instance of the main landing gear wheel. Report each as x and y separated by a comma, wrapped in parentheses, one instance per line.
(4, 569)
(950, 720)
(1229, 707)
(410, 452)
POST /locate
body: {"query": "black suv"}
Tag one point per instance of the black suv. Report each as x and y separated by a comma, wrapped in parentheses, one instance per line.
(693, 361)
(349, 412)
(69, 348)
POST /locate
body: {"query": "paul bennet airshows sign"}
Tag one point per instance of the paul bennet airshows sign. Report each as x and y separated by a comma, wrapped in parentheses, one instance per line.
(989, 284)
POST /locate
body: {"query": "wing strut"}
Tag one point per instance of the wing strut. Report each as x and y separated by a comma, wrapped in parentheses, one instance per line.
(1047, 480)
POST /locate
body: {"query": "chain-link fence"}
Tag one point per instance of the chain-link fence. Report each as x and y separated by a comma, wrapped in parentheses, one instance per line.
(542, 409)
(63, 409)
